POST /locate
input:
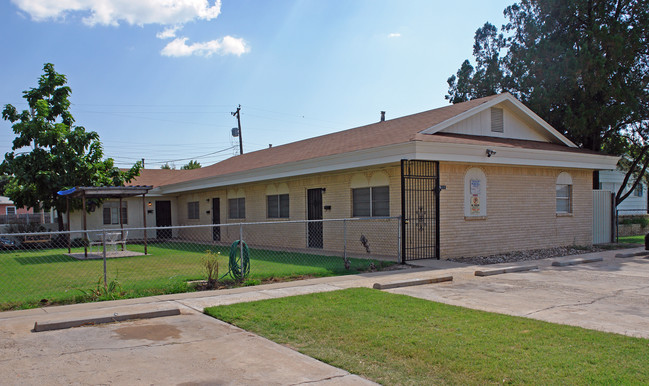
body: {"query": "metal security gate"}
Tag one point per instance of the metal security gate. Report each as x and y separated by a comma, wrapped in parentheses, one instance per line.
(419, 210)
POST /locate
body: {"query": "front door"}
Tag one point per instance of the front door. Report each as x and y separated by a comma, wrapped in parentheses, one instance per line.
(314, 212)
(163, 219)
(216, 219)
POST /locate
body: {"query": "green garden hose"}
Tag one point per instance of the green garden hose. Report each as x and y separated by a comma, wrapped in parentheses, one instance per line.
(236, 265)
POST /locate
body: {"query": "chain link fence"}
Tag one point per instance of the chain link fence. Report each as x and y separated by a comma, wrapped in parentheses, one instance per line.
(42, 268)
(631, 222)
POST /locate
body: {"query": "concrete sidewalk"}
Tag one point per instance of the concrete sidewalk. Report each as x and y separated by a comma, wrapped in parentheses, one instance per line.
(193, 348)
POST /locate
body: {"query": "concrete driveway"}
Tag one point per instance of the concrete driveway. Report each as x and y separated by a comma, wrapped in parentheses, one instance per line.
(194, 349)
(187, 349)
(611, 296)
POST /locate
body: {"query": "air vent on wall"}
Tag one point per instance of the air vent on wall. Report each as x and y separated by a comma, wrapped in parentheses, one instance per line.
(497, 120)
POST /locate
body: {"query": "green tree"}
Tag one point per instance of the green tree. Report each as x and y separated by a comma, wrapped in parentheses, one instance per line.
(166, 166)
(62, 155)
(582, 65)
(191, 165)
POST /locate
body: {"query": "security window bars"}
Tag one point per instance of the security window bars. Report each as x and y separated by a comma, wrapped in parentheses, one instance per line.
(192, 210)
(564, 198)
(277, 206)
(237, 208)
(111, 213)
(371, 202)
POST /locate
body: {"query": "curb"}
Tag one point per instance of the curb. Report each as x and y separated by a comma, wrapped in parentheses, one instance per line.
(411, 283)
(49, 326)
(499, 271)
(585, 260)
(625, 255)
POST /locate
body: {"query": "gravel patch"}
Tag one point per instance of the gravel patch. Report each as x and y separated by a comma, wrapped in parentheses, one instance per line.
(534, 254)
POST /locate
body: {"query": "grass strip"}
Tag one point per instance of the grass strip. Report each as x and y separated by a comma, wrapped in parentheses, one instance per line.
(399, 340)
(32, 278)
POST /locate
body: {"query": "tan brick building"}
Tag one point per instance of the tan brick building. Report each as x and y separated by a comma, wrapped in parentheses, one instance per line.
(479, 177)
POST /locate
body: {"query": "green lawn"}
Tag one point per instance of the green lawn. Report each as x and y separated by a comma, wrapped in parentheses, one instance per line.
(632, 239)
(26, 277)
(395, 340)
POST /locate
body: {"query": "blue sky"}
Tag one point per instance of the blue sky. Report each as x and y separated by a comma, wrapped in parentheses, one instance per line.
(159, 82)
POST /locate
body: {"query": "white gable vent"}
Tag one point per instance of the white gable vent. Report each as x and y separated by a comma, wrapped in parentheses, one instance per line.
(497, 120)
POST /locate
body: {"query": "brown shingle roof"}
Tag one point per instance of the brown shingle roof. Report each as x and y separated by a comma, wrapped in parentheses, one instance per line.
(390, 132)
(375, 135)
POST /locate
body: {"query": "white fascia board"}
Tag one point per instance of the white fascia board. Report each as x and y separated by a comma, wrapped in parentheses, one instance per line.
(363, 158)
(499, 99)
(513, 156)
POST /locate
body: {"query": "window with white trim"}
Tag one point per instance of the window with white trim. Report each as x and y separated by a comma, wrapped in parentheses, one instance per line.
(193, 210)
(564, 193)
(111, 212)
(277, 206)
(237, 207)
(371, 202)
(11, 210)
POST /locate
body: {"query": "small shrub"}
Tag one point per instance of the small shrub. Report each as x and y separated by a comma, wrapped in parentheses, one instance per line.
(211, 264)
(111, 291)
(251, 282)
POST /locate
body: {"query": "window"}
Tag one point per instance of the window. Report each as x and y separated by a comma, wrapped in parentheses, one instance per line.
(237, 207)
(497, 125)
(111, 214)
(192, 210)
(11, 210)
(638, 190)
(277, 206)
(371, 202)
(564, 193)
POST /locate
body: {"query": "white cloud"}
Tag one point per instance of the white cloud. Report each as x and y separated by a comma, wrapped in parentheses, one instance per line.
(172, 14)
(112, 12)
(169, 32)
(225, 46)
(394, 35)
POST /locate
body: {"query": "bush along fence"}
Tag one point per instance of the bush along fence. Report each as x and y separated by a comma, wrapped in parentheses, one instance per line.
(43, 268)
(631, 222)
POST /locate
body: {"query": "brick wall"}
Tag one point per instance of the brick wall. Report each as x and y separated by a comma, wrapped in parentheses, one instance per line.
(521, 209)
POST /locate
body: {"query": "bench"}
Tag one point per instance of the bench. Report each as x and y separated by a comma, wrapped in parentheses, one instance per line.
(36, 239)
(112, 238)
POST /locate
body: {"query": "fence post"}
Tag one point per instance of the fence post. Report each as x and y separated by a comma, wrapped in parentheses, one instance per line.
(103, 243)
(345, 239)
(399, 241)
(241, 247)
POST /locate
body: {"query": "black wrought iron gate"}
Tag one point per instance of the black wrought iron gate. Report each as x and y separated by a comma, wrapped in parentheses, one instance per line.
(419, 210)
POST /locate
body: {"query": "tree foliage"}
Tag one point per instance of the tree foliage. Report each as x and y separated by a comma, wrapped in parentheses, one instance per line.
(191, 165)
(49, 153)
(582, 65)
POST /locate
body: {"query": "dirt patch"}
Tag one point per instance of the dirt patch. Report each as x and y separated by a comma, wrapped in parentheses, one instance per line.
(154, 332)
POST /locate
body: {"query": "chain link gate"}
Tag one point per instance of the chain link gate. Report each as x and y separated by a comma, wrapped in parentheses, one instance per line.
(419, 209)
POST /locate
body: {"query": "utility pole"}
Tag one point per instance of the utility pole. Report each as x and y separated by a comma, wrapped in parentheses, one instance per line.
(238, 115)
